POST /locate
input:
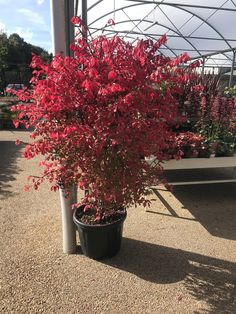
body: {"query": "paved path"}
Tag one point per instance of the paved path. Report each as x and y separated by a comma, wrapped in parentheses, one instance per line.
(177, 258)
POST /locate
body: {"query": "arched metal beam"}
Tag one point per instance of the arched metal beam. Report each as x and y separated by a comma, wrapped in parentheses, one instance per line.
(163, 25)
(109, 35)
(178, 30)
(114, 11)
(141, 20)
(158, 35)
(168, 4)
(207, 23)
(180, 34)
(135, 33)
(183, 4)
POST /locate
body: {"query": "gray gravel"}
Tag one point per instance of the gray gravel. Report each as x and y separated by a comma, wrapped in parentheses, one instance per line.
(178, 258)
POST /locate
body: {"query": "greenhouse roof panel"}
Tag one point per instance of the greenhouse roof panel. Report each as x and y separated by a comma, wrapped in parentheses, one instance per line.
(195, 26)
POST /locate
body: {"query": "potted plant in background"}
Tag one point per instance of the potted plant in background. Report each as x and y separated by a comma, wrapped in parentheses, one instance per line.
(208, 112)
(190, 144)
(226, 143)
(217, 122)
(95, 116)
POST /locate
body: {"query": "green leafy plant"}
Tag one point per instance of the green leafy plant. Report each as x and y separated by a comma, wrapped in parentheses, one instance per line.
(226, 143)
(230, 91)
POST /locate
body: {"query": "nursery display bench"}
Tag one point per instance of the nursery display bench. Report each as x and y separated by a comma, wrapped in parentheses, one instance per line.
(202, 163)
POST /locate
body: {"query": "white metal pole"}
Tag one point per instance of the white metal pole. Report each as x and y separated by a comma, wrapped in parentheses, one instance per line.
(68, 226)
(203, 66)
(58, 26)
(60, 19)
(232, 69)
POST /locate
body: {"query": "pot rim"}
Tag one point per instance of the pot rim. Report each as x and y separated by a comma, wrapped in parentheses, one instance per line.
(108, 225)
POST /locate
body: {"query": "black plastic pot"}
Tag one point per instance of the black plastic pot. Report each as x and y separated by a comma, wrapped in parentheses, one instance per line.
(99, 241)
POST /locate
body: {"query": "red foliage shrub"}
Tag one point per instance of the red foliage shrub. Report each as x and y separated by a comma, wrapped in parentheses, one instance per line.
(95, 115)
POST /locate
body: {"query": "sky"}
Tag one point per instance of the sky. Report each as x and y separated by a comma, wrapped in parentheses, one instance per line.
(28, 18)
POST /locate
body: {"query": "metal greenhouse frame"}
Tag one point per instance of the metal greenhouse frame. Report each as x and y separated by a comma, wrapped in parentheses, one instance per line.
(190, 26)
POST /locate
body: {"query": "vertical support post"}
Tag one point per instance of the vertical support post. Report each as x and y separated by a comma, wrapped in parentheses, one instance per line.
(232, 69)
(84, 17)
(63, 34)
(203, 66)
(58, 26)
(114, 10)
(76, 7)
(69, 27)
(67, 198)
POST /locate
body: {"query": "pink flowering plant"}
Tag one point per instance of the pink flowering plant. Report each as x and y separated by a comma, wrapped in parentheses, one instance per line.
(190, 144)
(95, 116)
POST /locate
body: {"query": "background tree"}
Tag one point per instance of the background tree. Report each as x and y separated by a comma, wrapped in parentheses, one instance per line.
(3, 50)
(15, 58)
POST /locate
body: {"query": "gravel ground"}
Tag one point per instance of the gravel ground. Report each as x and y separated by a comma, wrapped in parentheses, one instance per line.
(177, 257)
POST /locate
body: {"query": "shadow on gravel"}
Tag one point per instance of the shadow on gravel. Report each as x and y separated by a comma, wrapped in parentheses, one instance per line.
(9, 152)
(213, 205)
(207, 279)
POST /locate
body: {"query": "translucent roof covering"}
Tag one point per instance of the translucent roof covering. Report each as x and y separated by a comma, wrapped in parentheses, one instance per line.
(199, 27)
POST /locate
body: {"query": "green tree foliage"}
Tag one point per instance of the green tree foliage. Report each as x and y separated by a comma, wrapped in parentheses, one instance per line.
(3, 50)
(15, 52)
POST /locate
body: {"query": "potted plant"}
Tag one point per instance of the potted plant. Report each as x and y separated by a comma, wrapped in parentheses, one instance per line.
(190, 144)
(95, 116)
(227, 143)
(217, 122)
